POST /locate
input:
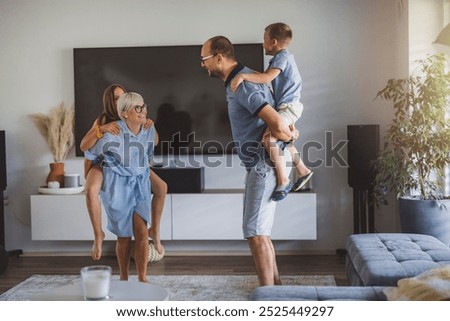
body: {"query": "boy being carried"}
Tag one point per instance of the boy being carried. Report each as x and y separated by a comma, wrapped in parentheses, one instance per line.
(287, 84)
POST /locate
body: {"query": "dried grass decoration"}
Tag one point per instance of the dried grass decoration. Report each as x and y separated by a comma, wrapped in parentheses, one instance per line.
(57, 127)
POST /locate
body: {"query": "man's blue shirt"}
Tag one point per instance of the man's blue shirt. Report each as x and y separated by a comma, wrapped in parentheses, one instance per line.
(243, 108)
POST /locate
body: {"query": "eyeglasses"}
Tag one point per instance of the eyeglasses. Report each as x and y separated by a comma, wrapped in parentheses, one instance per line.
(139, 109)
(203, 59)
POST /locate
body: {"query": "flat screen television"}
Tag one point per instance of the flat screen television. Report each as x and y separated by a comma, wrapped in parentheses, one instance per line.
(189, 108)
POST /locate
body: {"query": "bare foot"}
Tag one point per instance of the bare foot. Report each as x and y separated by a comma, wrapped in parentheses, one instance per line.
(96, 251)
(157, 241)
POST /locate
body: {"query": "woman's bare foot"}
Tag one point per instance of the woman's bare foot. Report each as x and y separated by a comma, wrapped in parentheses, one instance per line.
(96, 251)
(157, 241)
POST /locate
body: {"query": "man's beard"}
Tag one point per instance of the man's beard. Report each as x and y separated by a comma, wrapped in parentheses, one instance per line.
(215, 74)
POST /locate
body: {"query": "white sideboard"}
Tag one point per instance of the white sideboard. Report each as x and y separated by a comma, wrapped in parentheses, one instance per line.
(65, 218)
(211, 215)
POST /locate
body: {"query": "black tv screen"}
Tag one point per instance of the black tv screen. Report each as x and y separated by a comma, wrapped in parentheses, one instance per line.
(189, 108)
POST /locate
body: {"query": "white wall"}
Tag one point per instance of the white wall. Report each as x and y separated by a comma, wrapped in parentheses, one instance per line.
(345, 49)
(427, 18)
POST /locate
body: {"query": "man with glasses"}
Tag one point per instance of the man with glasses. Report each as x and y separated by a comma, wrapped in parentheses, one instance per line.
(250, 111)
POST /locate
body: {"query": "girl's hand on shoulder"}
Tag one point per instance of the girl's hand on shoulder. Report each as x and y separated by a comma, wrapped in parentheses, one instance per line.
(148, 123)
(236, 82)
(112, 128)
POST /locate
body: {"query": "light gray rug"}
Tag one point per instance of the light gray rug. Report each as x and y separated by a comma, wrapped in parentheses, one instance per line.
(180, 287)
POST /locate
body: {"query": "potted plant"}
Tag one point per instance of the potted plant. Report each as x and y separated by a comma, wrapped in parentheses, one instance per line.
(417, 148)
(57, 127)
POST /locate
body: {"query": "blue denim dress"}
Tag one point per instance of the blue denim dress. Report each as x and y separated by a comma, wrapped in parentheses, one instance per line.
(126, 183)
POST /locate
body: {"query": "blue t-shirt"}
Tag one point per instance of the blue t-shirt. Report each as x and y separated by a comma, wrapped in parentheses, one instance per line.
(287, 85)
(243, 108)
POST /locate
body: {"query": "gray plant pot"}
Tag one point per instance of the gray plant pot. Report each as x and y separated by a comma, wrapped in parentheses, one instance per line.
(425, 217)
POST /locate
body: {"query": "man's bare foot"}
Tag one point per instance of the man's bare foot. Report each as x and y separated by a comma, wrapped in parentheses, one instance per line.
(157, 241)
(96, 251)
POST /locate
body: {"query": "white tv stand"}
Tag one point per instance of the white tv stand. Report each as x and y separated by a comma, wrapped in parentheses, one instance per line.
(211, 215)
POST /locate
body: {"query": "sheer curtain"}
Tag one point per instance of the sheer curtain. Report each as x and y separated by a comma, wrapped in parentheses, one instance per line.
(426, 20)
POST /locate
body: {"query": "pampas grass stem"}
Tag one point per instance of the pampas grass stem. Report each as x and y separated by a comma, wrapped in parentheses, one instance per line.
(57, 127)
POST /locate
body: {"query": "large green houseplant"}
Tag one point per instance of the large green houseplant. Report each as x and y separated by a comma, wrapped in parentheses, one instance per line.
(417, 143)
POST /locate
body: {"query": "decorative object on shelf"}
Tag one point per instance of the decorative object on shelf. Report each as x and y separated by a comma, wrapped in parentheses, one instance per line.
(71, 180)
(57, 127)
(60, 191)
(53, 184)
(56, 174)
(417, 144)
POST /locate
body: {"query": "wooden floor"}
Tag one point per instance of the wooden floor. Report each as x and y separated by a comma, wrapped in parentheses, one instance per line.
(23, 267)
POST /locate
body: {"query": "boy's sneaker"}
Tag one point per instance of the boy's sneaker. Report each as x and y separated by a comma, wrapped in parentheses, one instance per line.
(281, 192)
(302, 181)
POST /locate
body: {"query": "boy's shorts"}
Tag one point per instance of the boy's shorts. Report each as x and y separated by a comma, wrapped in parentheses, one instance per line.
(290, 112)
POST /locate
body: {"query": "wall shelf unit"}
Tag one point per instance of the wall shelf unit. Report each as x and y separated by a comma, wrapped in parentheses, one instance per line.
(211, 215)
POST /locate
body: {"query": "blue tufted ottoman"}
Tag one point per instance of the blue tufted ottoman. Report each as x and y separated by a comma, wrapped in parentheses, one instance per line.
(317, 293)
(382, 259)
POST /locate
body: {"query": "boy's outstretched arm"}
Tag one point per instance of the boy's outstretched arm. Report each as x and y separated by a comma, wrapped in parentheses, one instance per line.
(258, 78)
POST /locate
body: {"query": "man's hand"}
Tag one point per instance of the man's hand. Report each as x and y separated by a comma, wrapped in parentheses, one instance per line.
(277, 126)
(295, 134)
